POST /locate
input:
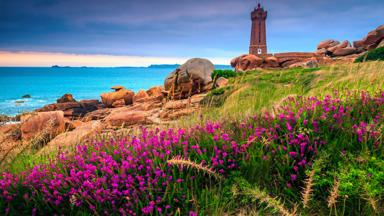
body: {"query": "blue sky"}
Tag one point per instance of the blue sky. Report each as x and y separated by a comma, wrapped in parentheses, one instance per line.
(178, 28)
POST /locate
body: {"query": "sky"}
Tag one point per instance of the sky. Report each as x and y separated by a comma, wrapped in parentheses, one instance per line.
(143, 32)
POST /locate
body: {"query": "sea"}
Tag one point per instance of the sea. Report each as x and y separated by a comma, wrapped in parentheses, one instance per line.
(46, 84)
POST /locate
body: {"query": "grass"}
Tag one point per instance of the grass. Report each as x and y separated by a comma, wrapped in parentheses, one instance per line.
(256, 91)
(344, 177)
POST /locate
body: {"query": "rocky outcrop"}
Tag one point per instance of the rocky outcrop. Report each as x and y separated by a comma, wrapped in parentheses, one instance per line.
(381, 44)
(156, 91)
(192, 77)
(334, 48)
(51, 123)
(115, 99)
(175, 109)
(279, 60)
(66, 98)
(221, 82)
(312, 63)
(344, 51)
(97, 114)
(327, 44)
(73, 137)
(73, 110)
(126, 118)
(372, 40)
(141, 96)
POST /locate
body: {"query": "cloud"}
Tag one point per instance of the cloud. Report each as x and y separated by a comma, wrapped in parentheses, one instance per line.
(212, 28)
(39, 59)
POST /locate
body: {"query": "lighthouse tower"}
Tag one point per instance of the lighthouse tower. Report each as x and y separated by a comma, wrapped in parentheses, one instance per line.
(258, 44)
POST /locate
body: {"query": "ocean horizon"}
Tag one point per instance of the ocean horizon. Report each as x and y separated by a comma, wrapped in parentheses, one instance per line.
(46, 84)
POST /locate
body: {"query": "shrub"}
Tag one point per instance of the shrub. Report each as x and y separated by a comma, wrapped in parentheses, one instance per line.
(218, 91)
(373, 55)
(223, 73)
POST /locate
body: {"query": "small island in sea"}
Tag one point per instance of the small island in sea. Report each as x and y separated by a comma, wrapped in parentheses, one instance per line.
(279, 113)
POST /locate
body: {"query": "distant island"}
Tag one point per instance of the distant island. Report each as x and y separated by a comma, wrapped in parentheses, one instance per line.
(163, 65)
(218, 66)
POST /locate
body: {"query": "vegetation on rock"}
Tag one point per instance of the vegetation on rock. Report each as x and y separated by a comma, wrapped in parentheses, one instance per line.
(223, 73)
(372, 55)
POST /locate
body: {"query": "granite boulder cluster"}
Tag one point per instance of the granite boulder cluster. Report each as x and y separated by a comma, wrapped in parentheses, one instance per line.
(279, 60)
(336, 48)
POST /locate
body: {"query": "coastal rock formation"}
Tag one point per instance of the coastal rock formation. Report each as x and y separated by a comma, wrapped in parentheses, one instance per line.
(120, 93)
(66, 98)
(127, 116)
(344, 51)
(73, 109)
(279, 60)
(26, 96)
(327, 44)
(156, 91)
(372, 40)
(73, 137)
(97, 114)
(312, 63)
(335, 49)
(175, 109)
(141, 96)
(381, 44)
(271, 62)
(51, 123)
(192, 77)
(221, 82)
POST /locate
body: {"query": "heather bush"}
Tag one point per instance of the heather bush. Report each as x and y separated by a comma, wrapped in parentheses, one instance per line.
(191, 171)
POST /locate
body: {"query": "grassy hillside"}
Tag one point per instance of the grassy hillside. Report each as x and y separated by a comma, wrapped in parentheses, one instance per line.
(257, 91)
(286, 142)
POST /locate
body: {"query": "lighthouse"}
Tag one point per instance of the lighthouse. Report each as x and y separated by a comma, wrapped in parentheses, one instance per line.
(258, 43)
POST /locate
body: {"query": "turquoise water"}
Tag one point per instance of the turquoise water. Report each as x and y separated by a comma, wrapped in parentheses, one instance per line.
(45, 85)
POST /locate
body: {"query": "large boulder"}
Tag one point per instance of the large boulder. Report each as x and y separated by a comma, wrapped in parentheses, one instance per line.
(250, 62)
(327, 44)
(120, 94)
(372, 40)
(156, 91)
(127, 116)
(141, 96)
(344, 51)
(71, 138)
(51, 123)
(192, 77)
(342, 45)
(247, 62)
(66, 98)
(73, 109)
(235, 60)
(221, 82)
(271, 62)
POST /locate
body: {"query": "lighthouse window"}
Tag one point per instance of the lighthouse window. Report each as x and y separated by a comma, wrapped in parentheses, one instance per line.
(259, 51)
